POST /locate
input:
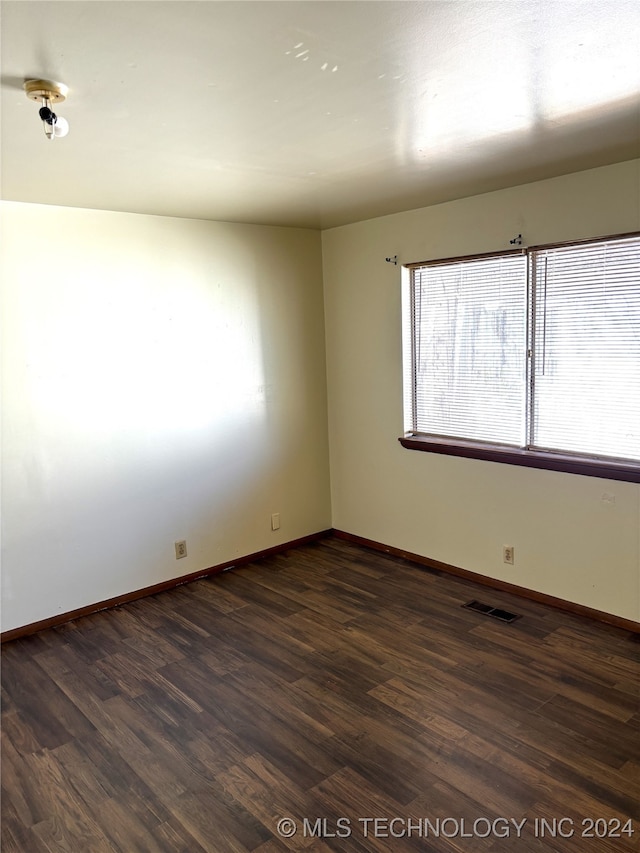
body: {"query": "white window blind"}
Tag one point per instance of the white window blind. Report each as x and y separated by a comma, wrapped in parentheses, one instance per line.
(538, 350)
(586, 344)
(469, 349)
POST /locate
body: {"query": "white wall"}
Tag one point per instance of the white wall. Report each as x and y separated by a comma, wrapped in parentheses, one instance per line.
(568, 541)
(163, 379)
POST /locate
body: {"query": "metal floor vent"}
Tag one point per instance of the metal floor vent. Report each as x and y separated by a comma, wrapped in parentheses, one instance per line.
(489, 610)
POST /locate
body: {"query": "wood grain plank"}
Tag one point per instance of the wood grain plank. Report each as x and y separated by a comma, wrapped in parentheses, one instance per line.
(328, 681)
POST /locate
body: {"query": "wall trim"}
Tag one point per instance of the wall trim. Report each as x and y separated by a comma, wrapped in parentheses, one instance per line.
(503, 586)
(483, 580)
(108, 604)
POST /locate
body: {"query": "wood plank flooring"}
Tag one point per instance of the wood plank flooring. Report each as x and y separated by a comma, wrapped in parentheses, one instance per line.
(329, 685)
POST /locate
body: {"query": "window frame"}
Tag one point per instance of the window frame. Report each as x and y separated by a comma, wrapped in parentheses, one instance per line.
(572, 463)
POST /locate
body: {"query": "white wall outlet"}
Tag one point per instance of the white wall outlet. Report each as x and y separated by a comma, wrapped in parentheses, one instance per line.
(508, 554)
(275, 521)
(181, 549)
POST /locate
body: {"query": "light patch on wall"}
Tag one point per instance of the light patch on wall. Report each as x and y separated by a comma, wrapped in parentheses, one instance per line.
(143, 353)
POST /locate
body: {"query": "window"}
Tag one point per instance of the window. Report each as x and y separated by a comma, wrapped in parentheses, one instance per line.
(528, 357)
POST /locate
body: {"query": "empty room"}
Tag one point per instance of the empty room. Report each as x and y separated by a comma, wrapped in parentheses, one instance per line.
(320, 426)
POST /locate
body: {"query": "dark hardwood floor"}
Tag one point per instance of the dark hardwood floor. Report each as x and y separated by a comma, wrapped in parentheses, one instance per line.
(330, 685)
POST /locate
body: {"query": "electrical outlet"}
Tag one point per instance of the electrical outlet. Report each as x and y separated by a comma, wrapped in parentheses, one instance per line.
(181, 549)
(508, 554)
(275, 521)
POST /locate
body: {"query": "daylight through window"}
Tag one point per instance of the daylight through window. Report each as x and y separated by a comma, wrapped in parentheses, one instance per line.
(537, 350)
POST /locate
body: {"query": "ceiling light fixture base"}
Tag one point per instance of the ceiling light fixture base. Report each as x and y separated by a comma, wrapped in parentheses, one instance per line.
(37, 90)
